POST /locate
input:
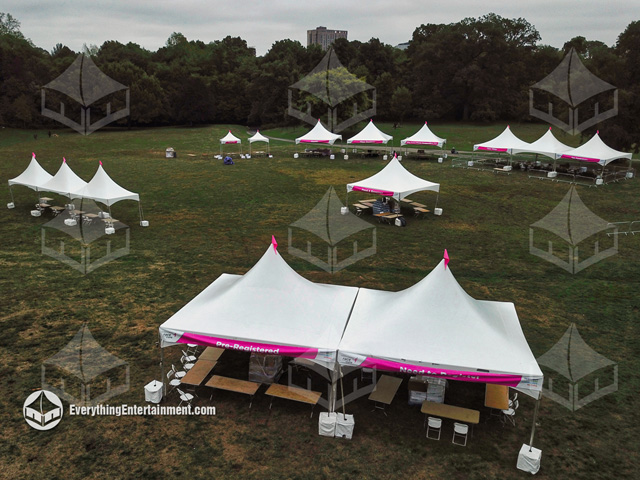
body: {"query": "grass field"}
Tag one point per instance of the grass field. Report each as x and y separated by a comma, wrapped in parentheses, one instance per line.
(207, 219)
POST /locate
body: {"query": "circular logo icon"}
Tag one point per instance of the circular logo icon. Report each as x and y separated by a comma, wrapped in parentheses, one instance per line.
(42, 410)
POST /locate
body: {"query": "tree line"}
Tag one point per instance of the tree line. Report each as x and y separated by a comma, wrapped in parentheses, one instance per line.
(478, 69)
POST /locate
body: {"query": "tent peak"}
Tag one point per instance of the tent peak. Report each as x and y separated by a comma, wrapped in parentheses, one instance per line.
(274, 243)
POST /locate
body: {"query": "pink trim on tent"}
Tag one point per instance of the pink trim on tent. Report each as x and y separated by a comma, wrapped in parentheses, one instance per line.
(367, 141)
(231, 141)
(287, 350)
(373, 190)
(493, 149)
(584, 159)
(314, 141)
(481, 377)
(417, 142)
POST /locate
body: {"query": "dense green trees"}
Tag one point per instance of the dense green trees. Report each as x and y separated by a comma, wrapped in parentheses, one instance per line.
(478, 69)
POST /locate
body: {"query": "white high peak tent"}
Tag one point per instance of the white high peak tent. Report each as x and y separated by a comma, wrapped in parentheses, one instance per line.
(424, 136)
(103, 189)
(435, 328)
(547, 145)
(370, 134)
(393, 181)
(34, 176)
(230, 138)
(65, 181)
(595, 151)
(258, 137)
(319, 134)
(504, 143)
(270, 309)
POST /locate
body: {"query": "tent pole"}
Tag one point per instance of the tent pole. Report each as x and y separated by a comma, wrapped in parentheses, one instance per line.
(164, 385)
(533, 426)
(11, 192)
(140, 210)
(437, 197)
(334, 389)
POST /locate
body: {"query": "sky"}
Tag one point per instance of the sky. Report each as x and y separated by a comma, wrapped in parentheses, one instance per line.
(261, 23)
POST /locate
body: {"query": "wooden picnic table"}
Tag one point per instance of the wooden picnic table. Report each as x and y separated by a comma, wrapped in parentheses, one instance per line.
(416, 204)
(198, 372)
(234, 385)
(385, 391)
(387, 216)
(211, 353)
(293, 393)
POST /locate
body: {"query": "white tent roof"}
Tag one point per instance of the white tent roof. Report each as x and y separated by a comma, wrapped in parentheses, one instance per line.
(102, 188)
(547, 145)
(424, 136)
(230, 138)
(595, 150)
(505, 142)
(319, 134)
(34, 176)
(269, 309)
(393, 181)
(64, 182)
(258, 137)
(435, 328)
(370, 134)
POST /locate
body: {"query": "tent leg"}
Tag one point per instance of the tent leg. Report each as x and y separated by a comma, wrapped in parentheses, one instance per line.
(334, 389)
(140, 210)
(11, 192)
(164, 385)
(535, 418)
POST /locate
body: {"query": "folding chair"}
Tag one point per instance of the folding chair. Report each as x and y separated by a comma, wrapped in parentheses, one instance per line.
(461, 430)
(509, 415)
(186, 364)
(173, 382)
(184, 397)
(178, 374)
(434, 424)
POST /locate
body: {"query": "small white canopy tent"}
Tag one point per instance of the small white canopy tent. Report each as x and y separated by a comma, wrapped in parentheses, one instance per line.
(319, 134)
(103, 189)
(422, 137)
(269, 309)
(393, 181)
(547, 145)
(65, 181)
(595, 151)
(370, 134)
(504, 143)
(258, 137)
(230, 138)
(34, 176)
(435, 328)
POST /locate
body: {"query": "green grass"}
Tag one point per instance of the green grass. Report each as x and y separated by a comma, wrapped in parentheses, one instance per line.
(207, 219)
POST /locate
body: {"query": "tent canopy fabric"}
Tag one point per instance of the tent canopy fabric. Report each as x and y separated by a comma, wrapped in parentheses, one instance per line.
(64, 182)
(270, 309)
(230, 138)
(370, 134)
(258, 137)
(424, 136)
(435, 328)
(547, 145)
(319, 134)
(102, 188)
(34, 176)
(393, 181)
(596, 151)
(505, 142)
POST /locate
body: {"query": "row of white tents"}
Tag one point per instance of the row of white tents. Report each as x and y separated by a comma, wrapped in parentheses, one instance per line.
(433, 328)
(101, 188)
(371, 134)
(594, 151)
(231, 139)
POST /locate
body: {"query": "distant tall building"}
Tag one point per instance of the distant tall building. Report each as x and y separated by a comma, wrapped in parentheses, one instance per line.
(323, 37)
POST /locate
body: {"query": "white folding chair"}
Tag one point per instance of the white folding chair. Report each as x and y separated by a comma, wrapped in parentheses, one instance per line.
(178, 374)
(186, 364)
(513, 399)
(460, 430)
(509, 415)
(192, 348)
(434, 424)
(188, 358)
(184, 397)
(173, 382)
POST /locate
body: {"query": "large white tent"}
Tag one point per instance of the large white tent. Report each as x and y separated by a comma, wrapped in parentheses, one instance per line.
(370, 134)
(65, 181)
(435, 328)
(269, 309)
(258, 137)
(319, 134)
(505, 143)
(393, 181)
(547, 145)
(595, 151)
(230, 139)
(422, 137)
(34, 176)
